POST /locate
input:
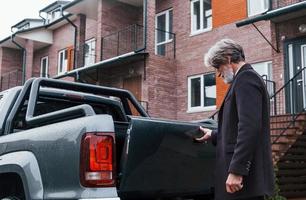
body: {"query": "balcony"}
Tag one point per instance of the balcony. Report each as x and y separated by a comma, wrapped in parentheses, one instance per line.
(131, 39)
(127, 40)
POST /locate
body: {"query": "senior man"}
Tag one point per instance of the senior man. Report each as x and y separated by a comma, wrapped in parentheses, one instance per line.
(244, 168)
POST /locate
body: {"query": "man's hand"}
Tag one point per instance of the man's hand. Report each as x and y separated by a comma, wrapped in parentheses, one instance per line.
(206, 136)
(234, 183)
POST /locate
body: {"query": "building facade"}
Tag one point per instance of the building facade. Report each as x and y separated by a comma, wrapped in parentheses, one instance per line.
(155, 48)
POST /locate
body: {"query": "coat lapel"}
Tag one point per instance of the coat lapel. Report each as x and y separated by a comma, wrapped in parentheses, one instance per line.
(243, 68)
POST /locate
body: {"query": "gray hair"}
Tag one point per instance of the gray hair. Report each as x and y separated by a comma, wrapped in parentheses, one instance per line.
(220, 53)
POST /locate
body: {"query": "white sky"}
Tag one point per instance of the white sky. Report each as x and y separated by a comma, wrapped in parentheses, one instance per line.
(13, 11)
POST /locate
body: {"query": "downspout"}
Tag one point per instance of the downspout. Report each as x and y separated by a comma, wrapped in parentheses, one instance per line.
(42, 17)
(75, 38)
(23, 58)
(145, 24)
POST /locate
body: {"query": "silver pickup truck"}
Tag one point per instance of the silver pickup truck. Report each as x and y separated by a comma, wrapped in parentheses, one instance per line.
(65, 140)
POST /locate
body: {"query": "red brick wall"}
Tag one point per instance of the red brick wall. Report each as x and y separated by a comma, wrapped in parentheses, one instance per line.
(160, 87)
(29, 46)
(282, 3)
(190, 51)
(114, 75)
(117, 15)
(11, 59)
(91, 28)
(162, 5)
(165, 86)
(10, 62)
(63, 37)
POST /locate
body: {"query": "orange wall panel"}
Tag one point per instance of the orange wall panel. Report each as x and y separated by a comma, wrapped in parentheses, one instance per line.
(226, 12)
(221, 91)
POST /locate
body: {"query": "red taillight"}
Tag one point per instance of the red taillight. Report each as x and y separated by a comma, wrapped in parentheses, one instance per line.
(98, 160)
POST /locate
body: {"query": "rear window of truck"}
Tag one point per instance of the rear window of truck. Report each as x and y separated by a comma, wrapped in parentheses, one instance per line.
(47, 105)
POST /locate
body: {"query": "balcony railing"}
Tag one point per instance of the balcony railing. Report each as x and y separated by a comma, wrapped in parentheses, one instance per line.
(124, 41)
(165, 43)
(283, 3)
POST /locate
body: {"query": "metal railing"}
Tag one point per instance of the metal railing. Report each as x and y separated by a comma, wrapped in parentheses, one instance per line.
(11, 79)
(165, 43)
(290, 98)
(14, 78)
(124, 41)
(270, 85)
(89, 53)
(282, 3)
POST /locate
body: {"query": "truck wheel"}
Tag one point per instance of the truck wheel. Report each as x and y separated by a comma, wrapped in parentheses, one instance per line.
(11, 198)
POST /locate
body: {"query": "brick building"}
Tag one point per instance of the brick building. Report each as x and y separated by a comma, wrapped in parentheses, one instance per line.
(160, 45)
(155, 48)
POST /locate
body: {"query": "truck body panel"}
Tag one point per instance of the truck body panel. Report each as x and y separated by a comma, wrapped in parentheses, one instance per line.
(42, 129)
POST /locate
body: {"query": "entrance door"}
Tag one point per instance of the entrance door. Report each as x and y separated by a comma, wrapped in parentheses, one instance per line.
(296, 60)
(133, 84)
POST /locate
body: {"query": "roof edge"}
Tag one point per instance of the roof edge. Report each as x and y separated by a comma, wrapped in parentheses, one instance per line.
(273, 13)
(71, 4)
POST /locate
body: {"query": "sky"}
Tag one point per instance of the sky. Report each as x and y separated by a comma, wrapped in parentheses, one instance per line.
(13, 11)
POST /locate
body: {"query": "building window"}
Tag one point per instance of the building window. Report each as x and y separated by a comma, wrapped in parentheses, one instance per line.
(62, 61)
(264, 69)
(54, 15)
(201, 16)
(256, 7)
(164, 35)
(202, 92)
(90, 52)
(44, 68)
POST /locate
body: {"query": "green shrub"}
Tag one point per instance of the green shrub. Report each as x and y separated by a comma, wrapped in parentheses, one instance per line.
(277, 195)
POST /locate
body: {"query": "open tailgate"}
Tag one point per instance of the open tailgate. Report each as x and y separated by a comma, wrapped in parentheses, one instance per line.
(160, 159)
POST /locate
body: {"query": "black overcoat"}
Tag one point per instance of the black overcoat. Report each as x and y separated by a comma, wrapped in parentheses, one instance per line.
(243, 137)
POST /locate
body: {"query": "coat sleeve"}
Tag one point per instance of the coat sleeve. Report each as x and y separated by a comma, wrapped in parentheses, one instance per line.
(214, 137)
(249, 99)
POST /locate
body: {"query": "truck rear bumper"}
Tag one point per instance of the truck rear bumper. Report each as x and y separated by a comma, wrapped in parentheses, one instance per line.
(115, 198)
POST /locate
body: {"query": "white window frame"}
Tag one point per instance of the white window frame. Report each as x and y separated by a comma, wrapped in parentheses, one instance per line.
(202, 29)
(303, 74)
(65, 62)
(264, 3)
(51, 18)
(200, 108)
(168, 39)
(268, 66)
(47, 66)
(94, 59)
